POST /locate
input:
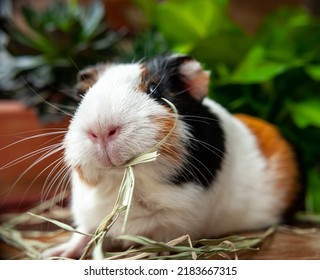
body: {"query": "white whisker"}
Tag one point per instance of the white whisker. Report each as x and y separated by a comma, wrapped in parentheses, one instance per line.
(209, 147)
(43, 157)
(29, 155)
(48, 103)
(32, 137)
(56, 180)
(36, 177)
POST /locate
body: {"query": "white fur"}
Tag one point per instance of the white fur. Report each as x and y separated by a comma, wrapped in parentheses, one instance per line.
(242, 197)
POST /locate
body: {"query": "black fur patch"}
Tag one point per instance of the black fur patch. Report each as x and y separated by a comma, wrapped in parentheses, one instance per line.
(206, 153)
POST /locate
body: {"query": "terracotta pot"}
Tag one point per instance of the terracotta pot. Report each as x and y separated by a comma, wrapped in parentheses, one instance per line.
(17, 123)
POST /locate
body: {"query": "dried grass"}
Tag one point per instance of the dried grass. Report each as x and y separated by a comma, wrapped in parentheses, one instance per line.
(29, 241)
(33, 242)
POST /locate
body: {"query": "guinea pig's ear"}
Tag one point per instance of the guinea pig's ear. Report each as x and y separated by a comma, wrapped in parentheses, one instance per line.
(87, 77)
(195, 77)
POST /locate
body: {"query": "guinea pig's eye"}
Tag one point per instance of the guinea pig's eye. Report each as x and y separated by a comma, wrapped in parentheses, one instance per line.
(153, 90)
(152, 87)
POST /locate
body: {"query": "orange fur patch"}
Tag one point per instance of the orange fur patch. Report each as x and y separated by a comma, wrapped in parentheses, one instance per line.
(90, 183)
(171, 148)
(88, 77)
(271, 143)
(143, 86)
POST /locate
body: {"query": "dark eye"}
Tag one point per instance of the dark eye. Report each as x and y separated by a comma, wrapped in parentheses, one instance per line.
(152, 87)
(154, 90)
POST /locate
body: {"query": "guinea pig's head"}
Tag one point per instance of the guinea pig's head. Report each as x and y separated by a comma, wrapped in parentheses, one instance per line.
(122, 113)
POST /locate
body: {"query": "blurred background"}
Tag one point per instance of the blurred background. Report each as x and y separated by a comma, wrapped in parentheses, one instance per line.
(264, 58)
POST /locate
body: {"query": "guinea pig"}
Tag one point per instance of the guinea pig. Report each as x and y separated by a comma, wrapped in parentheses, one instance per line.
(217, 173)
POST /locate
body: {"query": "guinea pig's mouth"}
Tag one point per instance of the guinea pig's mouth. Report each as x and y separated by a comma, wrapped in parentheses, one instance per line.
(113, 160)
(115, 163)
(107, 161)
(110, 161)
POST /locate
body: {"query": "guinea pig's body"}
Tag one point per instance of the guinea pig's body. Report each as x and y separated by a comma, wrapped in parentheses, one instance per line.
(216, 174)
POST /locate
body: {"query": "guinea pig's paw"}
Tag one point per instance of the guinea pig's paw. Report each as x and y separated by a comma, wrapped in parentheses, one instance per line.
(72, 249)
(57, 251)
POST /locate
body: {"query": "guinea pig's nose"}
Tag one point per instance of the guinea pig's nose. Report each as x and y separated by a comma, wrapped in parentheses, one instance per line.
(92, 135)
(104, 136)
(113, 131)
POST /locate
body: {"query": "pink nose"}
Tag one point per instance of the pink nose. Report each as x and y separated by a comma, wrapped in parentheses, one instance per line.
(105, 136)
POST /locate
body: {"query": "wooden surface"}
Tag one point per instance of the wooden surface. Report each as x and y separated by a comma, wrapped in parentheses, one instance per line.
(287, 243)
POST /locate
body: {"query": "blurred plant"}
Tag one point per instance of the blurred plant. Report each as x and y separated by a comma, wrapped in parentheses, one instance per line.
(274, 74)
(46, 57)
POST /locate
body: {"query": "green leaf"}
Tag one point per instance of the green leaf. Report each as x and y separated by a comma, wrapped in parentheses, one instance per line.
(148, 7)
(256, 68)
(313, 70)
(218, 49)
(306, 113)
(187, 21)
(92, 18)
(313, 191)
(31, 17)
